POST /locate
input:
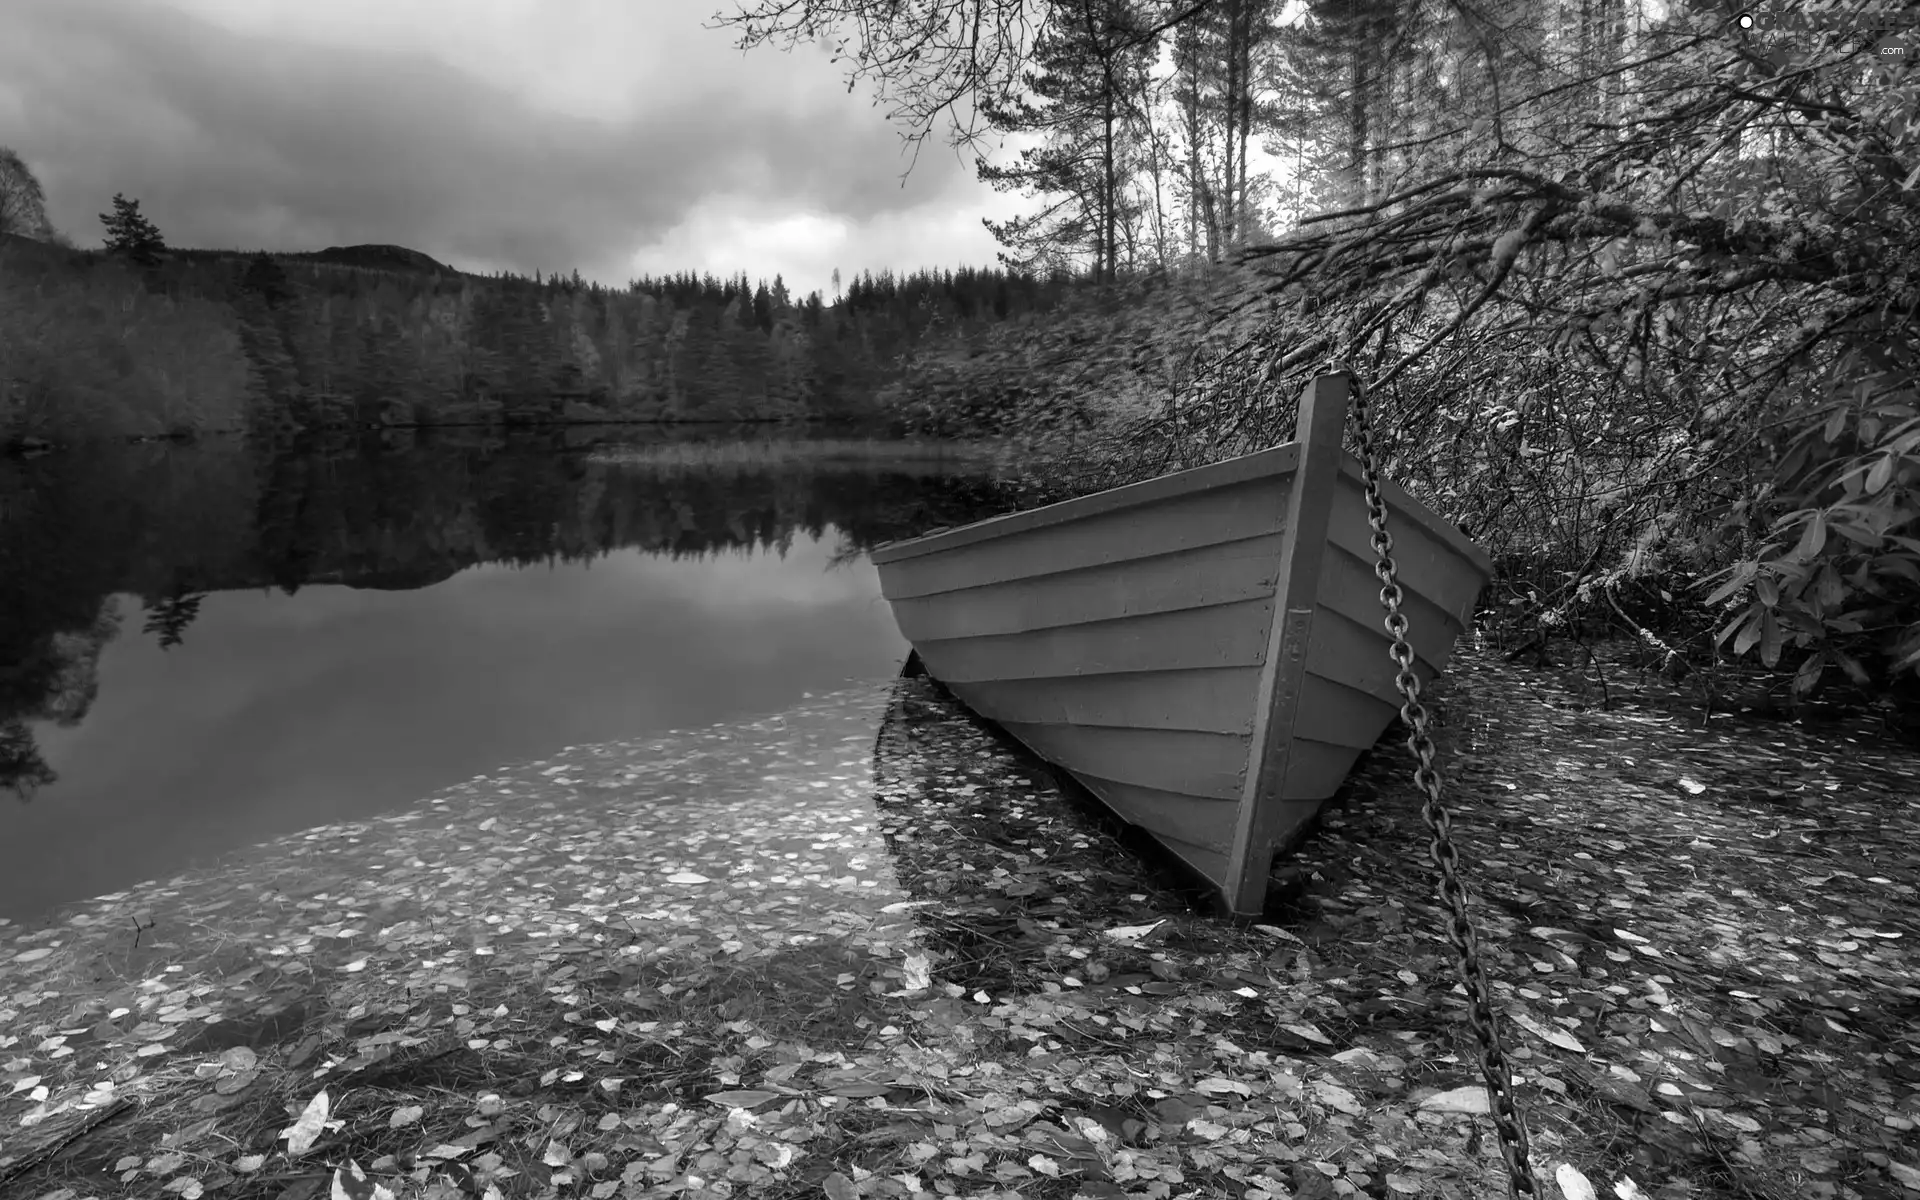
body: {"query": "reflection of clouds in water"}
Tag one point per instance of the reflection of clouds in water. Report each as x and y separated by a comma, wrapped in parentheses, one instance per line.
(283, 712)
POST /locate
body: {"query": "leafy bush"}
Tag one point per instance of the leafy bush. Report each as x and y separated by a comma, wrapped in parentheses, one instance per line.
(1839, 572)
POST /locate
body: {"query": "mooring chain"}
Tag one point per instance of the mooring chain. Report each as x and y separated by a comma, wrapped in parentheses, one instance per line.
(1508, 1121)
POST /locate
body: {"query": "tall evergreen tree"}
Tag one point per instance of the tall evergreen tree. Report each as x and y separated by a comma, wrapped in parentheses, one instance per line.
(130, 234)
(1085, 94)
(266, 279)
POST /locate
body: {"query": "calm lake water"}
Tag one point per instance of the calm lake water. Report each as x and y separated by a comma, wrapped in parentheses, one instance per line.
(204, 647)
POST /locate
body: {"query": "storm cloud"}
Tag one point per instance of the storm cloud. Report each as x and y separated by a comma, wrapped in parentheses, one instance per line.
(616, 139)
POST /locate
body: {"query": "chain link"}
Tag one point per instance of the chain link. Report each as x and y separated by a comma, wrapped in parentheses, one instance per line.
(1508, 1121)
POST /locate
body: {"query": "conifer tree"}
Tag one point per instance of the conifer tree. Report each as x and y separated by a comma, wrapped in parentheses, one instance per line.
(266, 279)
(1089, 68)
(131, 234)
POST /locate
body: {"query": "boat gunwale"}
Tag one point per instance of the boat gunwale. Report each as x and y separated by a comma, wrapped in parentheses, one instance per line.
(1243, 468)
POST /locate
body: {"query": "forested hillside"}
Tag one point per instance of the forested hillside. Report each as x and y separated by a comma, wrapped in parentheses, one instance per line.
(94, 344)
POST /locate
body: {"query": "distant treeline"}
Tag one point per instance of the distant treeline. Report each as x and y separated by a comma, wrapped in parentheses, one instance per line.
(93, 345)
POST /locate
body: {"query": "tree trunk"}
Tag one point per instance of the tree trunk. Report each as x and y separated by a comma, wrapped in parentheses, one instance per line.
(1197, 204)
(1357, 122)
(1230, 114)
(1109, 175)
(1242, 228)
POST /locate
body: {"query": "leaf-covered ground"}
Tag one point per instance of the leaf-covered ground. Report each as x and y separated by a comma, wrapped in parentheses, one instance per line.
(793, 957)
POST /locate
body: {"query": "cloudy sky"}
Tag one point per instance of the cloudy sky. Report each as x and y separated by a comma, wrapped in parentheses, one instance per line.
(618, 137)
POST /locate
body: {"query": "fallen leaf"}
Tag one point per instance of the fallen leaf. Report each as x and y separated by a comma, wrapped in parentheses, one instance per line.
(239, 1058)
(1457, 1100)
(918, 969)
(1218, 1086)
(351, 1183)
(839, 1187)
(749, 1098)
(1573, 1185)
(1335, 1096)
(305, 1131)
(230, 1084)
(1276, 931)
(1546, 1033)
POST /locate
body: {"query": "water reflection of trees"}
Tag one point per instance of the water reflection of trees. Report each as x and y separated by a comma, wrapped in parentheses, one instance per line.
(169, 525)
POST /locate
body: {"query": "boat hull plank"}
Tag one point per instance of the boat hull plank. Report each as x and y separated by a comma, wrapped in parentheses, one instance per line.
(1203, 765)
(1211, 700)
(1407, 516)
(1221, 478)
(1338, 715)
(1168, 816)
(1315, 771)
(1354, 651)
(1193, 519)
(1199, 577)
(1352, 589)
(1205, 863)
(1225, 635)
(1425, 562)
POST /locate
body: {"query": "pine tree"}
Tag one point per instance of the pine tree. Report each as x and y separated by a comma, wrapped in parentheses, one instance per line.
(266, 279)
(1086, 83)
(131, 234)
(763, 308)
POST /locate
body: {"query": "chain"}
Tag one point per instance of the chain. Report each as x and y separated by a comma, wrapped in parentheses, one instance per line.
(1508, 1121)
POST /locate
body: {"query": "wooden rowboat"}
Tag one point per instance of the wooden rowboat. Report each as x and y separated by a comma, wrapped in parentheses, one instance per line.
(1203, 652)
